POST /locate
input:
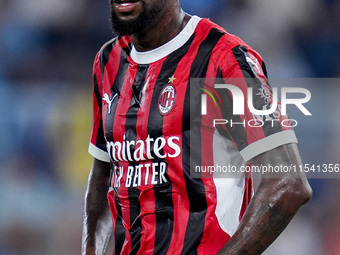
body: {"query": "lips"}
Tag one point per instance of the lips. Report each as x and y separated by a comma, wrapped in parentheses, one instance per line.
(125, 5)
(125, 1)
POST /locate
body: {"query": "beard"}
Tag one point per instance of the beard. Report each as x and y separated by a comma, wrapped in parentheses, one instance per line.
(144, 21)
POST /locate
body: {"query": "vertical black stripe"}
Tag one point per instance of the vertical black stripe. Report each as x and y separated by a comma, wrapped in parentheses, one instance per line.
(105, 54)
(97, 92)
(115, 89)
(123, 67)
(131, 135)
(119, 233)
(118, 83)
(164, 212)
(251, 76)
(195, 187)
(264, 69)
(241, 53)
(236, 131)
(100, 141)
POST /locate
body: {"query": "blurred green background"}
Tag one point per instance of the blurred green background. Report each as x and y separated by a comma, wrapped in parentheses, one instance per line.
(46, 54)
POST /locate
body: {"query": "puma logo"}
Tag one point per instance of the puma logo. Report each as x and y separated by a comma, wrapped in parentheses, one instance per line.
(249, 60)
(107, 99)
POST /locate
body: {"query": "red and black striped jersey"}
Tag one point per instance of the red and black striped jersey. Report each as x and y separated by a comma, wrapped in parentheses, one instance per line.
(148, 124)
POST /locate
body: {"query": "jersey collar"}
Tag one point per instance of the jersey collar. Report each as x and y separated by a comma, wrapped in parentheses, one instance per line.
(154, 55)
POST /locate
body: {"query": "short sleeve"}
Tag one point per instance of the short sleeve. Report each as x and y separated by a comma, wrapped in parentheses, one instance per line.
(253, 134)
(97, 146)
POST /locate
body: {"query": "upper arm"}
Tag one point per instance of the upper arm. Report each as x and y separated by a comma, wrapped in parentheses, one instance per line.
(100, 168)
(99, 177)
(282, 164)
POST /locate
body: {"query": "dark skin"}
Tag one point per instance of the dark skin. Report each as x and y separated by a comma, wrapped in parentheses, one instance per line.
(276, 201)
(171, 20)
(274, 204)
(97, 223)
(147, 41)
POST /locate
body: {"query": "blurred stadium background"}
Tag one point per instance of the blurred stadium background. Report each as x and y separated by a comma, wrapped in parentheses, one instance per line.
(46, 53)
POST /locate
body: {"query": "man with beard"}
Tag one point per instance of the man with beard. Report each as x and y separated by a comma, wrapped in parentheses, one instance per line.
(145, 148)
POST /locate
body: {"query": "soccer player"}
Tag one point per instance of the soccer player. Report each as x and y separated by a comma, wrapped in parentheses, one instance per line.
(149, 135)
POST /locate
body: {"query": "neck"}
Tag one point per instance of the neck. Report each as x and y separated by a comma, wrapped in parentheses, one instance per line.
(171, 24)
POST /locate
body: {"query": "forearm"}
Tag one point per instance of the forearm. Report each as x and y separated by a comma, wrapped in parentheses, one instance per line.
(273, 206)
(97, 224)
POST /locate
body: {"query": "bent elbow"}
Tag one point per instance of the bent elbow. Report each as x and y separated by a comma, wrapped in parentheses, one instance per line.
(307, 193)
(301, 192)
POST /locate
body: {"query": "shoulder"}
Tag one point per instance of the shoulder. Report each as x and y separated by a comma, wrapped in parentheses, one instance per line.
(230, 52)
(226, 45)
(227, 40)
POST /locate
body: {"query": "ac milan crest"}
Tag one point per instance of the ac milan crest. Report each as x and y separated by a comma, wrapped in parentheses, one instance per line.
(167, 99)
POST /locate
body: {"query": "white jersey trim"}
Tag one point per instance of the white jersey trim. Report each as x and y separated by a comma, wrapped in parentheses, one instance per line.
(178, 41)
(98, 153)
(268, 143)
(229, 186)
